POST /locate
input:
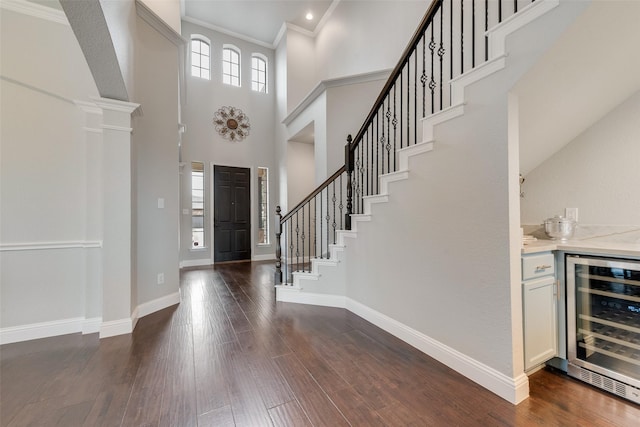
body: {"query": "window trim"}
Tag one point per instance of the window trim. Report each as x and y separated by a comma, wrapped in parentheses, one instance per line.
(265, 60)
(202, 39)
(238, 52)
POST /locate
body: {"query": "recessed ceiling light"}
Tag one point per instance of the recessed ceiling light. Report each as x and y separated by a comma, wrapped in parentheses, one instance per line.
(309, 16)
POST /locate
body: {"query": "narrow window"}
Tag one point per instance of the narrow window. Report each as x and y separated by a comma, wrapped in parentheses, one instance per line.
(263, 206)
(231, 66)
(258, 74)
(200, 57)
(197, 205)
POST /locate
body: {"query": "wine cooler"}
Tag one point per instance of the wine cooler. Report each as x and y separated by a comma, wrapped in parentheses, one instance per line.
(603, 323)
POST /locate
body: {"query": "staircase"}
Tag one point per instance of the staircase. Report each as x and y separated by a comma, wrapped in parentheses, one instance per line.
(431, 272)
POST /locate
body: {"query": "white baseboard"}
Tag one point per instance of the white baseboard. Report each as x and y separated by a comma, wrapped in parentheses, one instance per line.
(265, 257)
(513, 390)
(294, 295)
(158, 304)
(126, 326)
(92, 325)
(117, 327)
(196, 262)
(34, 331)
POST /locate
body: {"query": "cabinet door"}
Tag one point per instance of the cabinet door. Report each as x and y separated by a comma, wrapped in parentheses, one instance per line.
(540, 322)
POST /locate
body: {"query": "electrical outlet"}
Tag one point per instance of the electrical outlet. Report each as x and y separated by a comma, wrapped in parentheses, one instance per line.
(160, 278)
(571, 213)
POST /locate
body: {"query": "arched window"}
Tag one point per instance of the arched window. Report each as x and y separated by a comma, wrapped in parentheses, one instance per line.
(200, 57)
(231, 65)
(258, 73)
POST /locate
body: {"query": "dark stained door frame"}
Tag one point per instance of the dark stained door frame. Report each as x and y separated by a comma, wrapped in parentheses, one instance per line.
(231, 213)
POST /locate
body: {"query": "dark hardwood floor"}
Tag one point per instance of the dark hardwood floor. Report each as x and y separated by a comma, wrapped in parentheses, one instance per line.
(230, 355)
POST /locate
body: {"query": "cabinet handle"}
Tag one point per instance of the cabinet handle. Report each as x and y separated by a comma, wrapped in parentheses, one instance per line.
(543, 267)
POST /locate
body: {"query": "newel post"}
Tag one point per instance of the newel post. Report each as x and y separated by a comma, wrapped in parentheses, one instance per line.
(348, 163)
(278, 273)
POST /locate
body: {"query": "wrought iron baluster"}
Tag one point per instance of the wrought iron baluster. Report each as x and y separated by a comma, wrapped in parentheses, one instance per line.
(432, 82)
(473, 33)
(297, 243)
(486, 28)
(415, 101)
(388, 146)
(333, 199)
(328, 217)
(315, 226)
(395, 125)
(302, 237)
(321, 214)
(377, 155)
(309, 234)
(278, 230)
(423, 77)
(499, 11)
(290, 260)
(441, 53)
(382, 141)
(461, 37)
(515, 6)
(401, 104)
(341, 205)
(451, 39)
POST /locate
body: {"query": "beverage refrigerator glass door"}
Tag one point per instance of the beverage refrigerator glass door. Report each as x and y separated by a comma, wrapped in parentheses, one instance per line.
(603, 321)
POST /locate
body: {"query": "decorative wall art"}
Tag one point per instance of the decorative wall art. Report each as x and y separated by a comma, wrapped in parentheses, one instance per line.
(231, 123)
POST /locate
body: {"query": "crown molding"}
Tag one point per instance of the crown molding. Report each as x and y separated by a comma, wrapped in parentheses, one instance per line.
(159, 24)
(227, 32)
(35, 10)
(330, 83)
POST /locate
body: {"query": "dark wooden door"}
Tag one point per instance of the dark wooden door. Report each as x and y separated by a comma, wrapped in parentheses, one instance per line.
(231, 214)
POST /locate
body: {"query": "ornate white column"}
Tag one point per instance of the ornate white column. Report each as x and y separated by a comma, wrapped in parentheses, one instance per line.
(118, 285)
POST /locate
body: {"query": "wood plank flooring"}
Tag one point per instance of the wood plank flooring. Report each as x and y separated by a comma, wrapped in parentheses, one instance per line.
(229, 355)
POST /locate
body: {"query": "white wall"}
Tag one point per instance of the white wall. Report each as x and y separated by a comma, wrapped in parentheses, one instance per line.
(363, 36)
(47, 177)
(155, 154)
(300, 171)
(598, 172)
(202, 143)
(302, 73)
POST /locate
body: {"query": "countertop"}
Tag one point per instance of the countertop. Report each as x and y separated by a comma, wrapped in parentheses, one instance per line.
(587, 246)
(591, 239)
(620, 244)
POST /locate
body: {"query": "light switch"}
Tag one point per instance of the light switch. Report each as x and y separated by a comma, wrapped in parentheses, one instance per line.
(160, 203)
(571, 213)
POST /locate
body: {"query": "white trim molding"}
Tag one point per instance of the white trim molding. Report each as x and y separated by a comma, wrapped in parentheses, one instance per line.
(35, 10)
(158, 304)
(196, 263)
(34, 331)
(39, 246)
(159, 24)
(513, 390)
(117, 327)
(321, 87)
(265, 257)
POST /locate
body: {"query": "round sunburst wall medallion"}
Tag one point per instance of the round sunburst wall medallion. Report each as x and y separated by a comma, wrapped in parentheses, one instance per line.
(231, 123)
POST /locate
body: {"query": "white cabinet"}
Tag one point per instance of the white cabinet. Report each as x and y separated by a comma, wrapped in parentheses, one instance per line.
(539, 309)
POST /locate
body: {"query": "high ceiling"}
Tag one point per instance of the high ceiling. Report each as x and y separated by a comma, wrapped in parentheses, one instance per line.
(255, 20)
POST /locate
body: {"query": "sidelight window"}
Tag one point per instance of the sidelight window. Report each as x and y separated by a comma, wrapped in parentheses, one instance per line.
(197, 205)
(263, 206)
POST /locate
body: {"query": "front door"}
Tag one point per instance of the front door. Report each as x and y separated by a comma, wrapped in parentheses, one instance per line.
(231, 214)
